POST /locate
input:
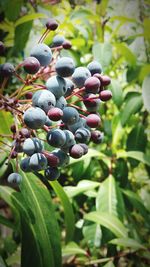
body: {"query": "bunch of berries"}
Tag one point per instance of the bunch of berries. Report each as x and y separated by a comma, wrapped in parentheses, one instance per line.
(65, 107)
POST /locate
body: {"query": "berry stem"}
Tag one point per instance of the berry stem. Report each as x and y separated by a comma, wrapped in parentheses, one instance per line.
(43, 36)
(85, 111)
(75, 93)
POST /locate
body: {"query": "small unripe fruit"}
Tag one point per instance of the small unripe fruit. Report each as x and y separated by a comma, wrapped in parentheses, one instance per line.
(76, 151)
(52, 173)
(51, 24)
(7, 70)
(52, 159)
(92, 85)
(28, 95)
(105, 95)
(55, 114)
(93, 120)
(31, 65)
(67, 44)
(14, 178)
(105, 80)
(97, 137)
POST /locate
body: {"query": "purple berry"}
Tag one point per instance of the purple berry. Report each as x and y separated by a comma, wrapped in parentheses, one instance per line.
(105, 95)
(76, 151)
(93, 120)
(51, 24)
(31, 65)
(92, 85)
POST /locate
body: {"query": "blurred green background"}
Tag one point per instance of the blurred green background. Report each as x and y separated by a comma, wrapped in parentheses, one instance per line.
(109, 188)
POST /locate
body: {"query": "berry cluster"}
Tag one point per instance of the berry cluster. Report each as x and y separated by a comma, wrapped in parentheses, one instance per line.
(65, 107)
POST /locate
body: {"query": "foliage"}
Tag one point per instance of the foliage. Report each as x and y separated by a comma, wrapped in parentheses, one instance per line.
(100, 204)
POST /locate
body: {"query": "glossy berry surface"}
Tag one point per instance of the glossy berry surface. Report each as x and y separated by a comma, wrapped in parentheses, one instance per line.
(97, 137)
(56, 138)
(80, 75)
(65, 66)
(55, 114)
(76, 151)
(82, 135)
(56, 85)
(93, 120)
(61, 103)
(7, 70)
(105, 80)
(24, 165)
(105, 95)
(52, 159)
(32, 145)
(43, 53)
(58, 40)
(92, 85)
(37, 162)
(34, 118)
(44, 99)
(70, 115)
(52, 173)
(63, 157)
(31, 65)
(14, 178)
(94, 67)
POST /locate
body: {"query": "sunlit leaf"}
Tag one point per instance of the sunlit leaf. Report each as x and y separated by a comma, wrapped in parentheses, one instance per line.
(132, 105)
(135, 155)
(126, 52)
(127, 242)
(29, 17)
(72, 249)
(109, 221)
(109, 199)
(102, 52)
(81, 187)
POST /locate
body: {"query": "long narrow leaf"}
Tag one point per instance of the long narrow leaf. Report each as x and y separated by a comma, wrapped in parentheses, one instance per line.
(109, 221)
(68, 210)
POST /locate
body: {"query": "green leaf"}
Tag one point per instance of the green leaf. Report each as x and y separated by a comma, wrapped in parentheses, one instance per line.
(39, 206)
(117, 131)
(123, 19)
(125, 51)
(146, 93)
(137, 203)
(102, 52)
(116, 89)
(109, 221)
(146, 24)
(109, 264)
(127, 242)
(68, 210)
(22, 32)
(6, 120)
(92, 234)
(136, 140)
(109, 199)
(30, 17)
(80, 188)
(132, 105)
(72, 249)
(135, 155)
(6, 222)
(12, 8)
(145, 71)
